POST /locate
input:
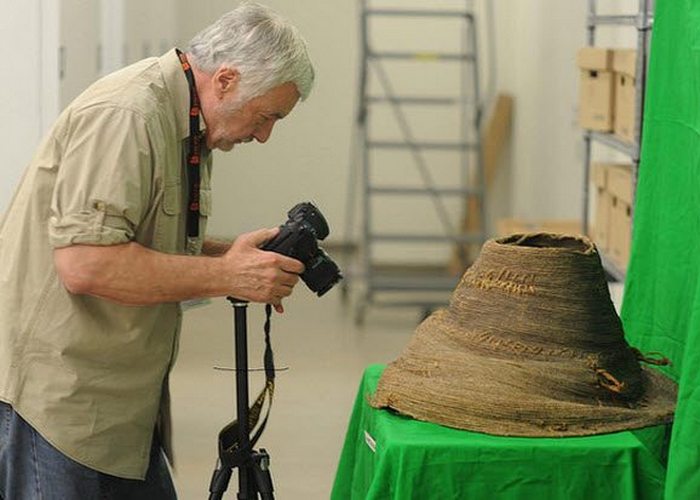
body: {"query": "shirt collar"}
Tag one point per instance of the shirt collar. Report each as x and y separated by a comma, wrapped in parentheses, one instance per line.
(176, 83)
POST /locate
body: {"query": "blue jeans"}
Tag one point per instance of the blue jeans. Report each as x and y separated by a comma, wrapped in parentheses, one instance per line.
(32, 469)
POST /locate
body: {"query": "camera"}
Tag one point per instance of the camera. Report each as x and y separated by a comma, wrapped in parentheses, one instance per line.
(298, 238)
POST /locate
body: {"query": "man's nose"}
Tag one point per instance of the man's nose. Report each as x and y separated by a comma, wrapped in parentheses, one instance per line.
(263, 132)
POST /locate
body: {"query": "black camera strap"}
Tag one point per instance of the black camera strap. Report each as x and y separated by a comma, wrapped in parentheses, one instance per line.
(230, 452)
(194, 150)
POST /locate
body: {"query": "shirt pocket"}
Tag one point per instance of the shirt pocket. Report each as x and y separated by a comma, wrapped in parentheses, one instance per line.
(169, 231)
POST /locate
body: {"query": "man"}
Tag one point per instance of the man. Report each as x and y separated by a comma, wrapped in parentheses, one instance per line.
(103, 240)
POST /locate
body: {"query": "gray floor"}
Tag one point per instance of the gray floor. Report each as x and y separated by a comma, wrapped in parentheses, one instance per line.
(326, 354)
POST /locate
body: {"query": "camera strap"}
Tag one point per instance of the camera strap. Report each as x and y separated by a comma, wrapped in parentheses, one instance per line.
(194, 149)
(230, 452)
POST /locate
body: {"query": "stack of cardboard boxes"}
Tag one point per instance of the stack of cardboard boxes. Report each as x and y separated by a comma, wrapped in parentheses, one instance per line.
(612, 227)
(607, 104)
(607, 90)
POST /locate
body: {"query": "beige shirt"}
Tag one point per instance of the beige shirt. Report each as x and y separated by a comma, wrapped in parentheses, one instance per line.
(89, 374)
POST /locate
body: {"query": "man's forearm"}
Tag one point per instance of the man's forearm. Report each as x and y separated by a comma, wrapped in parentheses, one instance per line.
(132, 274)
(213, 247)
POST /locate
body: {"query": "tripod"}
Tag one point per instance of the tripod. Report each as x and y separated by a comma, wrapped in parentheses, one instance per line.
(235, 443)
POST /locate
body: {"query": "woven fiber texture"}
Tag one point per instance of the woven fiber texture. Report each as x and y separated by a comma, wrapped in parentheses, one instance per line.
(530, 345)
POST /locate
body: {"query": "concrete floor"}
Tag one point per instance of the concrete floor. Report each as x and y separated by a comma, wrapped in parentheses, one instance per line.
(326, 354)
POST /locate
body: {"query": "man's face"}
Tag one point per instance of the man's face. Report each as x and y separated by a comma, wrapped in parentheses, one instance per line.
(233, 122)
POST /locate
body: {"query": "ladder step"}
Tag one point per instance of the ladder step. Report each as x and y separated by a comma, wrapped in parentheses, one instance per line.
(421, 56)
(417, 13)
(617, 20)
(456, 146)
(408, 283)
(444, 101)
(427, 238)
(398, 190)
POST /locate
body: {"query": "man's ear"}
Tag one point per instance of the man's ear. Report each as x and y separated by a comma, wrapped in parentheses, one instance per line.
(225, 81)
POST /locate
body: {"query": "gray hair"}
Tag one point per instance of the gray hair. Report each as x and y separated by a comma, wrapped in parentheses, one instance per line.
(265, 48)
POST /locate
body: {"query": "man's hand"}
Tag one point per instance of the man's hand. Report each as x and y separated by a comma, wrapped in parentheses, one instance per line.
(260, 276)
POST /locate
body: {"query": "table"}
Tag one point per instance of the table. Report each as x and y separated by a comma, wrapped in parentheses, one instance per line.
(389, 456)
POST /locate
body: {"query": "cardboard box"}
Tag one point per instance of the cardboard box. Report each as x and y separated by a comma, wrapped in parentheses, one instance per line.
(596, 89)
(625, 69)
(594, 58)
(620, 236)
(603, 201)
(625, 61)
(602, 216)
(564, 226)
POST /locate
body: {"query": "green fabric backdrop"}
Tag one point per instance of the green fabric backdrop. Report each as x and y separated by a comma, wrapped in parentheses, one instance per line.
(661, 307)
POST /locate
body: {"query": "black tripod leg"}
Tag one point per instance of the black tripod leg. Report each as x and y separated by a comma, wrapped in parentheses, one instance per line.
(263, 478)
(246, 485)
(219, 482)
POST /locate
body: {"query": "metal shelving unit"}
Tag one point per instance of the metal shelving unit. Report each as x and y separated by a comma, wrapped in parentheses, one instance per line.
(643, 22)
(410, 286)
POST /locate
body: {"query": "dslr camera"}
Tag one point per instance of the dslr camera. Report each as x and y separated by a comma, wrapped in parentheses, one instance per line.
(298, 238)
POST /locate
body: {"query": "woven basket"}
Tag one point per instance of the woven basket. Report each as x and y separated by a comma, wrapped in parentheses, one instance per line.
(530, 345)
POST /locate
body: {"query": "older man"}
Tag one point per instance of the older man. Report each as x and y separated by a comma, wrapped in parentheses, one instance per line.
(104, 238)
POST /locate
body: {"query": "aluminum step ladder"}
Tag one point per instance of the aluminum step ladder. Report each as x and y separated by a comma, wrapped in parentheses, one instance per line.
(397, 283)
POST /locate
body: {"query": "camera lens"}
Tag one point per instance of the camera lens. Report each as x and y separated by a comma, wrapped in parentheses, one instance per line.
(321, 273)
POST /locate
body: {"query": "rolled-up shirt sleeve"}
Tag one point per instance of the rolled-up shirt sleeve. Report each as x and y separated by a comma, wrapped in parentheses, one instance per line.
(104, 178)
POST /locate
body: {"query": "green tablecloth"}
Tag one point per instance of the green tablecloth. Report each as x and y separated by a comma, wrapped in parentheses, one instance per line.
(390, 456)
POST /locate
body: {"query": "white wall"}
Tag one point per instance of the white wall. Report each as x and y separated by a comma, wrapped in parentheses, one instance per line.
(150, 28)
(537, 44)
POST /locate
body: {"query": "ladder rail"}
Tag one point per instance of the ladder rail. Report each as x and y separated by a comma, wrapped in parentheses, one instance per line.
(367, 208)
(478, 113)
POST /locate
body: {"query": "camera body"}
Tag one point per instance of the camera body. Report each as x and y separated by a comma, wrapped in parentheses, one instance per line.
(298, 238)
